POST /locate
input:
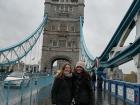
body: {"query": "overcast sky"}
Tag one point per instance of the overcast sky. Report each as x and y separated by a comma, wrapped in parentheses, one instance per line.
(19, 18)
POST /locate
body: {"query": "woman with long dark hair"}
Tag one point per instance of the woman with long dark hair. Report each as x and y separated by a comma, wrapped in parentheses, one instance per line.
(83, 94)
(61, 93)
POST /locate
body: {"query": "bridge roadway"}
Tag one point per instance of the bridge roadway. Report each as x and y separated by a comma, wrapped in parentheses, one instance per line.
(102, 98)
(105, 98)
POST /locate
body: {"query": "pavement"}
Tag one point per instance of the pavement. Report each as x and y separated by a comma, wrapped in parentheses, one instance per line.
(105, 98)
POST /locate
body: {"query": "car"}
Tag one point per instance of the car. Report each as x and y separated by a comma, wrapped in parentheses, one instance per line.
(16, 79)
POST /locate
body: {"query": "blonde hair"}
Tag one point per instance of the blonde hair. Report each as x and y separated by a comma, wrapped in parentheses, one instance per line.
(61, 74)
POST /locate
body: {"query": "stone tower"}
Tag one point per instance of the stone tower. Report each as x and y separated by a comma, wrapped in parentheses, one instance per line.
(61, 35)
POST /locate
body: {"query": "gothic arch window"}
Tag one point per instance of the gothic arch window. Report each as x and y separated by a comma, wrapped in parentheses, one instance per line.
(72, 29)
(62, 7)
(62, 0)
(74, 0)
(55, 8)
(54, 43)
(69, 44)
(70, 8)
(51, 42)
(62, 43)
(63, 27)
(73, 44)
(53, 28)
(55, 0)
(66, 8)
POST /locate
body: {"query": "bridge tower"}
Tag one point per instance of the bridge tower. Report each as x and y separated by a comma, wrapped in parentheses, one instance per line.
(61, 35)
(137, 57)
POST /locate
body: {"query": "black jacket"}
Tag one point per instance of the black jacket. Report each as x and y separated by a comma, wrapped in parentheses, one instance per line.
(93, 77)
(82, 89)
(61, 92)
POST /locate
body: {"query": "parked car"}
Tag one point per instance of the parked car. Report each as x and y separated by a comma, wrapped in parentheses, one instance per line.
(16, 79)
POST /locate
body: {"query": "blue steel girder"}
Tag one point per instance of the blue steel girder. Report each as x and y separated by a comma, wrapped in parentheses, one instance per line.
(124, 56)
(126, 22)
(16, 52)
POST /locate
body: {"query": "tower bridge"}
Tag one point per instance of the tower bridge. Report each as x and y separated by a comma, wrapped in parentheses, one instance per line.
(63, 41)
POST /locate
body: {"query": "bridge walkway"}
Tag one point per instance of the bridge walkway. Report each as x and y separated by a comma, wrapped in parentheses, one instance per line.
(101, 98)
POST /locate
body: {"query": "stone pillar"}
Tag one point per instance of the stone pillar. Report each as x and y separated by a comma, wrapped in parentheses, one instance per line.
(138, 75)
(137, 57)
(137, 64)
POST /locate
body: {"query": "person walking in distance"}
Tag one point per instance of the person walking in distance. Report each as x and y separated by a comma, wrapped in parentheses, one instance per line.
(61, 93)
(82, 88)
(93, 78)
(99, 83)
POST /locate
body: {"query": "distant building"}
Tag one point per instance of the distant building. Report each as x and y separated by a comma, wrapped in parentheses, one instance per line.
(117, 74)
(114, 74)
(20, 67)
(32, 68)
(132, 77)
(11, 68)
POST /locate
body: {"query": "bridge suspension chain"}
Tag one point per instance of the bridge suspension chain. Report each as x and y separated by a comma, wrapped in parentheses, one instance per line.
(15, 53)
(84, 52)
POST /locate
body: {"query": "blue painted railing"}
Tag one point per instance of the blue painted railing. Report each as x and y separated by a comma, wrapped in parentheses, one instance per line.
(128, 92)
(34, 93)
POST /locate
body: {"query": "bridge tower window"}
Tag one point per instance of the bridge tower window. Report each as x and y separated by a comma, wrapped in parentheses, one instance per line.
(62, 0)
(72, 29)
(54, 43)
(53, 27)
(62, 7)
(74, 0)
(66, 8)
(56, 0)
(69, 44)
(70, 8)
(63, 27)
(62, 43)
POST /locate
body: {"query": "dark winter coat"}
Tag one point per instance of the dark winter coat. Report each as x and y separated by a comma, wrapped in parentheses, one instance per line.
(99, 83)
(93, 77)
(61, 92)
(82, 89)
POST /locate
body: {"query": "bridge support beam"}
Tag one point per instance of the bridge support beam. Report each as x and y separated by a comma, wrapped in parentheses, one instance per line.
(115, 73)
(137, 57)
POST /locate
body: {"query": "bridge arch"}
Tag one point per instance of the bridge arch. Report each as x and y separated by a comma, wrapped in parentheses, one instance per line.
(49, 64)
(60, 57)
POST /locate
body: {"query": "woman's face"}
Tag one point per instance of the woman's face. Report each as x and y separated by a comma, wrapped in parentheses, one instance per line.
(67, 68)
(79, 69)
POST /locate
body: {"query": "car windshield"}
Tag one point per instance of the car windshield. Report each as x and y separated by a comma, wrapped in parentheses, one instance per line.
(16, 74)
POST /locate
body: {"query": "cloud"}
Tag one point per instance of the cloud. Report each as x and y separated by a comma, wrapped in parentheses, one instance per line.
(101, 21)
(19, 19)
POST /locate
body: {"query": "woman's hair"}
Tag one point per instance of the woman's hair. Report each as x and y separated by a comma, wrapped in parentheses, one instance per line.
(61, 74)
